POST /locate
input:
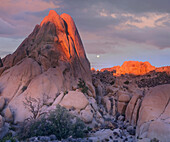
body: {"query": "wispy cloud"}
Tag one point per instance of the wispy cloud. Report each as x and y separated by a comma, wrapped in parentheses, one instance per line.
(16, 6)
(146, 20)
(6, 28)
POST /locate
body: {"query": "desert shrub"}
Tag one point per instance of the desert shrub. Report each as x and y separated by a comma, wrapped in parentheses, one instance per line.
(65, 92)
(59, 122)
(8, 137)
(24, 88)
(112, 82)
(142, 80)
(126, 82)
(33, 105)
(154, 140)
(82, 85)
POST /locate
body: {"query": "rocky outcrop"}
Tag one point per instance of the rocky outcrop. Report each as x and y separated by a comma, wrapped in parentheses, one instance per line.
(153, 79)
(143, 73)
(50, 60)
(132, 109)
(154, 114)
(145, 107)
(132, 67)
(55, 41)
(163, 69)
(112, 69)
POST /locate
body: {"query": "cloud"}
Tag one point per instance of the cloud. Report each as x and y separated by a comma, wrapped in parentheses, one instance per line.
(135, 6)
(99, 46)
(17, 6)
(150, 20)
(158, 37)
(103, 13)
(6, 28)
(18, 17)
(145, 21)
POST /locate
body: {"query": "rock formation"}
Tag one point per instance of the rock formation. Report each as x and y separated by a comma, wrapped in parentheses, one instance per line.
(135, 68)
(132, 67)
(142, 99)
(154, 114)
(50, 60)
(163, 69)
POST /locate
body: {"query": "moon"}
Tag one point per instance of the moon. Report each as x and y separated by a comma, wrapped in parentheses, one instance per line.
(98, 56)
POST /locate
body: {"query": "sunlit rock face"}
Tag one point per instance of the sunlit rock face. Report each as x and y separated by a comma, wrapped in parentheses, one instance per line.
(53, 43)
(164, 69)
(51, 59)
(132, 67)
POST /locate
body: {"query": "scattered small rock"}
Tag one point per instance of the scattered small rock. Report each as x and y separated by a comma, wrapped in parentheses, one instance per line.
(121, 118)
(44, 138)
(53, 137)
(117, 132)
(131, 130)
(8, 114)
(2, 102)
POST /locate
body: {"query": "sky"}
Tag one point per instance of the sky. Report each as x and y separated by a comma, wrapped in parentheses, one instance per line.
(112, 31)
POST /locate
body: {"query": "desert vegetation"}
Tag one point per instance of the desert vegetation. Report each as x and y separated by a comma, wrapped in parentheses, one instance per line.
(58, 122)
(82, 85)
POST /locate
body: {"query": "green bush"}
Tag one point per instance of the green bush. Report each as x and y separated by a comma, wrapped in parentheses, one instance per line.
(126, 82)
(8, 137)
(24, 88)
(65, 92)
(154, 140)
(59, 122)
(82, 85)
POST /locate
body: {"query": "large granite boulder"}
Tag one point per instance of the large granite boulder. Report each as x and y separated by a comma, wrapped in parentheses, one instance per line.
(75, 100)
(154, 114)
(133, 109)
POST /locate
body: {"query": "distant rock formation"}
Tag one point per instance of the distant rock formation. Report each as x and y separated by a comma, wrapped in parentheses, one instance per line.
(112, 69)
(132, 67)
(163, 69)
(51, 59)
(136, 68)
